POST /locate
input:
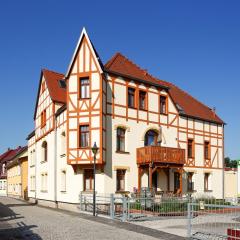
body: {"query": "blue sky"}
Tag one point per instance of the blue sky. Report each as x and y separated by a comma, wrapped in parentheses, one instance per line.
(194, 44)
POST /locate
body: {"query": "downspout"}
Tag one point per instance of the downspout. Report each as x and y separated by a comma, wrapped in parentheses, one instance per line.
(223, 179)
(35, 159)
(55, 163)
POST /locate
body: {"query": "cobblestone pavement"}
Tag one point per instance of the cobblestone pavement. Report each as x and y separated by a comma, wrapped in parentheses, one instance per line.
(22, 221)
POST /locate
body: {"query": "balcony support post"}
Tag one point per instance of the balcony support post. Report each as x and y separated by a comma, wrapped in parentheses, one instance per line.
(150, 175)
(139, 178)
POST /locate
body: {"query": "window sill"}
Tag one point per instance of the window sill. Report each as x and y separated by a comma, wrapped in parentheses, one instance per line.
(86, 98)
(88, 191)
(191, 191)
(122, 152)
(44, 191)
(208, 191)
(164, 114)
(86, 148)
(63, 155)
(63, 191)
(32, 166)
(144, 110)
(132, 107)
(43, 162)
(32, 190)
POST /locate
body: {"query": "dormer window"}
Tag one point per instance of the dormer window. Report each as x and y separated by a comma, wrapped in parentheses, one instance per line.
(84, 88)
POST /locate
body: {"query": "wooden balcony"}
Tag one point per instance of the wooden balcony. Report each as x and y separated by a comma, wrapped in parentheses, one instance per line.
(158, 154)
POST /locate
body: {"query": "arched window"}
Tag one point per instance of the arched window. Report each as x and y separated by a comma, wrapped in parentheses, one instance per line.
(121, 139)
(44, 151)
(150, 138)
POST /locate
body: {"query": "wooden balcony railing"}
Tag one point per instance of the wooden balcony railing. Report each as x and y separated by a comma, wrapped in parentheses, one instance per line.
(157, 154)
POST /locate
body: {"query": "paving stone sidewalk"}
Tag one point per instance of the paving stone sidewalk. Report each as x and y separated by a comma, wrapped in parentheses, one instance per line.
(23, 221)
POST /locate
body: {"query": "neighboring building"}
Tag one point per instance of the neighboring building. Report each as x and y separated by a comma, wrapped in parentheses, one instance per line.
(5, 158)
(149, 133)
(17, 175)
(230, 183)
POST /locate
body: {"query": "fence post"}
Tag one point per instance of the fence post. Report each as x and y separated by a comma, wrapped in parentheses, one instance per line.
(124, 216)
(80, 198)
(189, 224)
(111, 206)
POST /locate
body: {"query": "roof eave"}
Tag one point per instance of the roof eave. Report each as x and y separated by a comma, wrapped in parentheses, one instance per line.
(135, 79)
(202, 119)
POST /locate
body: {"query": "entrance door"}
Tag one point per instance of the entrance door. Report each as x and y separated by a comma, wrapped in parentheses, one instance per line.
(176, 181)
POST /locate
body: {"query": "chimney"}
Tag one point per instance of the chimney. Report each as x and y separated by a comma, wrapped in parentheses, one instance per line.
(214, 111)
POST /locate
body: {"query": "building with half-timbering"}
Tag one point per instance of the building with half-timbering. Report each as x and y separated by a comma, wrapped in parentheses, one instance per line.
(149, 132)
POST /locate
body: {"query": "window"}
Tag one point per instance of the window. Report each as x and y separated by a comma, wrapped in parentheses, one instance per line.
(131, 97)
(206, 150)
(63, 181)
(190, 186)
(121, 180)
(121, 139)
(150, 138)
(32, 183)
(84, 135)
(163, 105)
(44, 179)
(206, 181)
(142, 100)
(84, 87)
(44, 151)
(43, 118)
(88, 180)
(32, 158)
(190, 149)
(63, 143)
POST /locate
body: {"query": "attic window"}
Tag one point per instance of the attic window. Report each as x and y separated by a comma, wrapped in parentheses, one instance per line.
(62, 83)
(179, 108)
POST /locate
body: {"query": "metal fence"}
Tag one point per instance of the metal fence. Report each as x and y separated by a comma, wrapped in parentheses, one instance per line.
(135, 208)
(213, 219)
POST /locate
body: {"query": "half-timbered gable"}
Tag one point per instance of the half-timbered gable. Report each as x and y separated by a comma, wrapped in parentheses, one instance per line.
(85, 113)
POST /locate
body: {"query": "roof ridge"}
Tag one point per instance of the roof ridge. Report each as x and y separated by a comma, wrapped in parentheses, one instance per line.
(45, 69)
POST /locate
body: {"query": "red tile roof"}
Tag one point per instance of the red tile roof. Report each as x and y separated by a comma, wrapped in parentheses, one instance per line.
(185, 103)
(11, 153)
(57, 93)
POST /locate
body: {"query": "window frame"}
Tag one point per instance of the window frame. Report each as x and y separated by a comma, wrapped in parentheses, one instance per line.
(88, 174)
(43, 118)
(166, 104)
(207, 146)
(145, 100)
(193, 148)
(122, 174)
(80, 134)
(206, 182)
(133, 95)
(119, 138)
(44, 151)
(82, 78)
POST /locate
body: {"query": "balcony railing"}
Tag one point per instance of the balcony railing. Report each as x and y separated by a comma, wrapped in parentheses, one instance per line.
(157, 154)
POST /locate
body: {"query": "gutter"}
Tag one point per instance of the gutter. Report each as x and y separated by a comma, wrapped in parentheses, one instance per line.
(136, 79)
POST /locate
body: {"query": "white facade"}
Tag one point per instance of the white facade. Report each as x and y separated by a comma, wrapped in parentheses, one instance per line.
(63, 175)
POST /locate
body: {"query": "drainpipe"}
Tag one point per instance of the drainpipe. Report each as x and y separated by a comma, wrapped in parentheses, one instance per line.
(35, 159)
(223, 179)
(55, 163)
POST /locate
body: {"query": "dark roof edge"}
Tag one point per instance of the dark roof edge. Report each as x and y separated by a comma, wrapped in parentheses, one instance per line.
(136, 79)
(202, 119)
(30, 135)
(61, 110)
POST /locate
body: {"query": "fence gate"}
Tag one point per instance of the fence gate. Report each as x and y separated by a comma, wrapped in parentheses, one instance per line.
(213, 221)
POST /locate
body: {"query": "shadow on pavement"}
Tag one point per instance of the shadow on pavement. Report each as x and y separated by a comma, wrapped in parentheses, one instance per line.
(11, 228)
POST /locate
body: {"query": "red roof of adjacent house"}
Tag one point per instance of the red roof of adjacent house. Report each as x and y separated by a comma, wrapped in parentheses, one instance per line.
(185, 103)
(11, 153)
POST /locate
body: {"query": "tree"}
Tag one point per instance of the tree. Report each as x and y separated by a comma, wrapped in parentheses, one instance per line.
(230, 163)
